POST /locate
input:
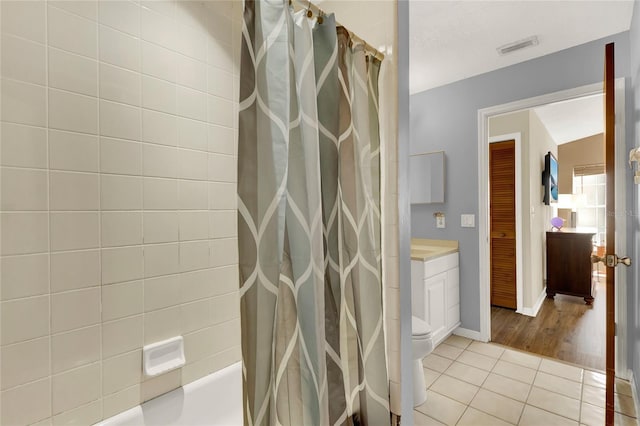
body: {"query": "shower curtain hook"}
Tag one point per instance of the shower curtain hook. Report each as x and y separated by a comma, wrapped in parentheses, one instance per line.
(309, 11)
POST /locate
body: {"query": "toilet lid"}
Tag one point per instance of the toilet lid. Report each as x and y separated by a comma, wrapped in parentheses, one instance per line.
(419, 327)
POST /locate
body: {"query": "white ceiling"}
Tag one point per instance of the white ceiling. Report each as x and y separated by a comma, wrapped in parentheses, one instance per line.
(574, 119)
(451, 40)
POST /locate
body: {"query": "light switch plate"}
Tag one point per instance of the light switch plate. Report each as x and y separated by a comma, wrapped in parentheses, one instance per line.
(440, 221)
(468, 220)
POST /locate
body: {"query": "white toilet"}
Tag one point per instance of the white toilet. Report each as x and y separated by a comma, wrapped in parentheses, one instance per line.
(421, 346)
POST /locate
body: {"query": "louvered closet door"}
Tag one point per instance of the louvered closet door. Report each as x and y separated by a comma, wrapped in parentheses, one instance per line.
(502, 181)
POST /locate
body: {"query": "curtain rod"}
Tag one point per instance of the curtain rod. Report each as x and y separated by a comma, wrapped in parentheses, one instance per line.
(313, 9)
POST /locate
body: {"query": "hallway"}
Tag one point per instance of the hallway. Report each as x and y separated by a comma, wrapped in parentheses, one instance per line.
(565, 328)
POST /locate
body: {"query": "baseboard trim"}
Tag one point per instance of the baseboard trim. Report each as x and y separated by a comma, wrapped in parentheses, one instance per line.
(469, 334)
(532, 312)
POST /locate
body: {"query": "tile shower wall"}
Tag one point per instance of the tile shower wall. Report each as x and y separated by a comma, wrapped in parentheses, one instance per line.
(118, 196)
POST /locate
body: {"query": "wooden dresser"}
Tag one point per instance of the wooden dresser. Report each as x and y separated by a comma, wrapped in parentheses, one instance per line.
(569, 263)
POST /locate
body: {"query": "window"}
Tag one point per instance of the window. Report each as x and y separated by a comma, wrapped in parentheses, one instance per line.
(590, 181)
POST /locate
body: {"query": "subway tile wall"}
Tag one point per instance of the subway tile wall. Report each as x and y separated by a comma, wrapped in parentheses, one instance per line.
(117, 203)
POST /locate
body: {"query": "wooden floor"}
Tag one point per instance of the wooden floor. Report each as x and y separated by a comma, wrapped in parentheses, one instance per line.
(565, 328)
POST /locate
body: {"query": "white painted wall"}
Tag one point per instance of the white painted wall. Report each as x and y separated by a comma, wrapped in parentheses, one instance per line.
(540, 142)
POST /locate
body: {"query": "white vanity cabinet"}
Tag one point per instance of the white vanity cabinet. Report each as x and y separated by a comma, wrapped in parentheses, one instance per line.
(436, 294)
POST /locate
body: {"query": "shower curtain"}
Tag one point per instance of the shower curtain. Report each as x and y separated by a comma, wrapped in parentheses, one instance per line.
(309, 223)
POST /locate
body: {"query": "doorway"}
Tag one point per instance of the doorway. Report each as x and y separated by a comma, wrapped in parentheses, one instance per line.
(484, 216)
(560, 327)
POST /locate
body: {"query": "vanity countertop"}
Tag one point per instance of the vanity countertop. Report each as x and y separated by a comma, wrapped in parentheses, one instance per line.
(424, 249)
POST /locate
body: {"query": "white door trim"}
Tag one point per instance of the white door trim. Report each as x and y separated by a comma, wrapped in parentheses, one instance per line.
(517, 137)
(621, 236)
(483, 204)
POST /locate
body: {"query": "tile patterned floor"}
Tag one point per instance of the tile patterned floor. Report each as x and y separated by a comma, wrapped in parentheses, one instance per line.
(471, 383)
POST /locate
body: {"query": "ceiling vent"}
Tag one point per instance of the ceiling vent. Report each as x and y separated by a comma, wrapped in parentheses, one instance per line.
(518, 45)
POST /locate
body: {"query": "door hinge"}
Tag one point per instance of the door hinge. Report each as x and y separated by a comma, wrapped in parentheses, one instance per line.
(615, 328)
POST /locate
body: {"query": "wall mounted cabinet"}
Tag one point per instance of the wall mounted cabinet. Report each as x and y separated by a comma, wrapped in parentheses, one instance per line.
(426, 177)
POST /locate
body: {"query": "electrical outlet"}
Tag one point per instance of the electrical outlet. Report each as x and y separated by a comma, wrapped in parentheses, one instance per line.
(468, 220)
(440, 221)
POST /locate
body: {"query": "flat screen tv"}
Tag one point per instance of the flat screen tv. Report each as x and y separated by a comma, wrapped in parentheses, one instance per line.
(550, 179)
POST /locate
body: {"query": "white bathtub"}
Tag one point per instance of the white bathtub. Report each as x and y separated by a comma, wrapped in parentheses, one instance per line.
(213, 400)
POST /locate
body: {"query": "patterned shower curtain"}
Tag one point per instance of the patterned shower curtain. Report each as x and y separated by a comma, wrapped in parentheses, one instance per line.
(309, 223)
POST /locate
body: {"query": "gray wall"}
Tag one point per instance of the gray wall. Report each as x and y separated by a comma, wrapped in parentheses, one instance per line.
(445, 118)
(634, 234)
